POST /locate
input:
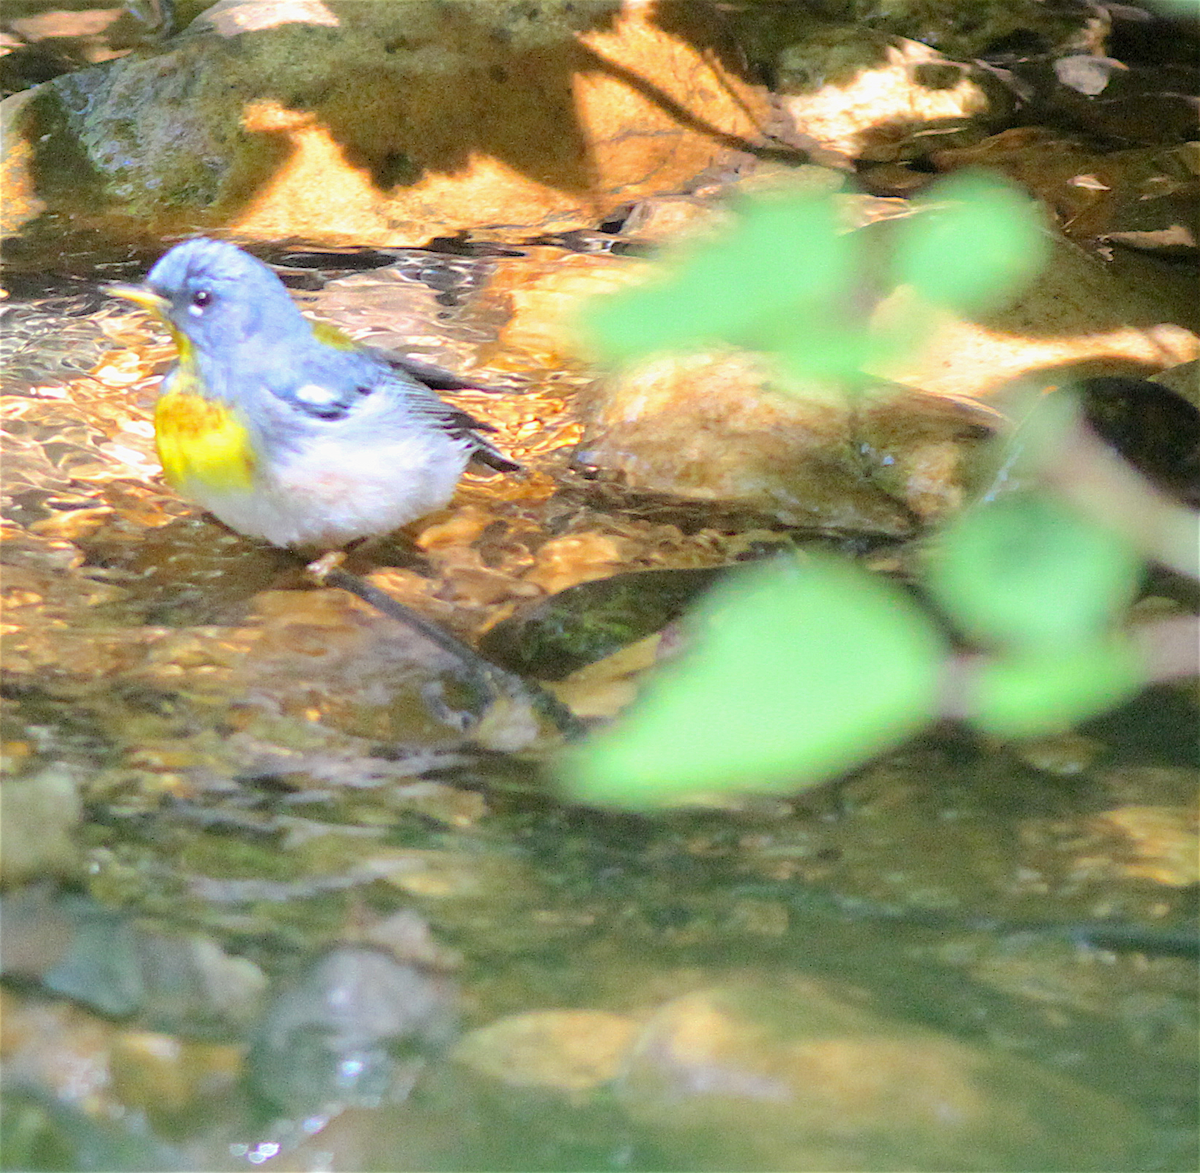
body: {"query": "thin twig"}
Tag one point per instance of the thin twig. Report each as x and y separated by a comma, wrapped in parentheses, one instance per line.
(1169, 649)
(1105, 487)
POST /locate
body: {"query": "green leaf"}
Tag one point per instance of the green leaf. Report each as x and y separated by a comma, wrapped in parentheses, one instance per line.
(1027, 571)
(784, 262)
(833, 355)
(800, 670)
(1029, 695)
(973, 243)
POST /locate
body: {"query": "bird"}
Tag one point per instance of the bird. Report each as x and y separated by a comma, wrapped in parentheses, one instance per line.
(286, 429)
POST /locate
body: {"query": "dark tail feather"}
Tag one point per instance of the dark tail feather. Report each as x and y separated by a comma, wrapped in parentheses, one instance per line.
(434, 376)
(485, 453)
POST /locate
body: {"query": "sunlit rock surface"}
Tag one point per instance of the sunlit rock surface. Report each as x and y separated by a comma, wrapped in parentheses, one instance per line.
(712, 426)
(392, 123)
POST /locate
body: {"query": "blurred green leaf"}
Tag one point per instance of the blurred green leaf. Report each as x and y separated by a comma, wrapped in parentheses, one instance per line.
(1027, 571)
(788, 279)
(1030, 695)
(799, 671)
(829, 355)
(973, 242)
(786, 265)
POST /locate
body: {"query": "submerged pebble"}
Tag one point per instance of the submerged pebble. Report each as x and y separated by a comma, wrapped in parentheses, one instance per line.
(833, 1086)
(354, 1029)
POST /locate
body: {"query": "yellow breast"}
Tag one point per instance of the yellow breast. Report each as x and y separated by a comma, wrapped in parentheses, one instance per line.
(202, 440)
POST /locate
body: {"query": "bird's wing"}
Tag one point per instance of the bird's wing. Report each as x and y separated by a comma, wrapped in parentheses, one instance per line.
(428, 405)
(460, 422)
(338, 390)
(432, 375)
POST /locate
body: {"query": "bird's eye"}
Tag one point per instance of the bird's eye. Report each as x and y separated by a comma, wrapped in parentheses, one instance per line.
(201, 298)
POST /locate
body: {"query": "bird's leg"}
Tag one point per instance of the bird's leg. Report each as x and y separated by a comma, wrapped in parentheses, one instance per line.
(490, 678)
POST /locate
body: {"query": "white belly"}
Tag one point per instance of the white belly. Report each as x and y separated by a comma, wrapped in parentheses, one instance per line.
(335, 492)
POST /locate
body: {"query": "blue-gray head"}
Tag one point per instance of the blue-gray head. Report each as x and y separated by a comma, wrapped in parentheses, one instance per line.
(219, 297)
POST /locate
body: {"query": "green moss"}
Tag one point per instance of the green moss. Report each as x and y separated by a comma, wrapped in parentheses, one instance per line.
(63, 171)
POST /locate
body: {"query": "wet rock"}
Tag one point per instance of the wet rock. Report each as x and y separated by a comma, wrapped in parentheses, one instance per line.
(1162, 224)
(60, 39)
(570, 1051)
(102, 959)
(433, 873)
(542, 296)
(39, 813)
(590, 620)
(1078, 318)
(756, 1077)
(1155, 34)
(60, 1049)
(661, 218)
(21, 202)
(193, 986)
(1111, 100)
(711, 426)
(172, 1080)
(564, 562)
(354, 1029)
(1183, 379)
(406, 936)
(1124, 195)
(963, 29)
(100, 967)
(1063, 754)
(919, 449)
(331, 121)
(877, 98)
(608, 686)
(1160, 843)
(1156, 429)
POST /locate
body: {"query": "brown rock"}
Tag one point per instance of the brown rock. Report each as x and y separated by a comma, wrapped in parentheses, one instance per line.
(1094, 193)
(21, 203)
(544, 300)
(568, 1050)
(887, 108)
(1079, 317)
(712, 426)
(751, 1076)
(393, 123)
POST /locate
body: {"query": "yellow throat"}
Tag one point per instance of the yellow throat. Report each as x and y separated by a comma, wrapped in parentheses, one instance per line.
(202, 440)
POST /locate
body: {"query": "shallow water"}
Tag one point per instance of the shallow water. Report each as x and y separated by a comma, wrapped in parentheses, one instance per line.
(232, 772)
